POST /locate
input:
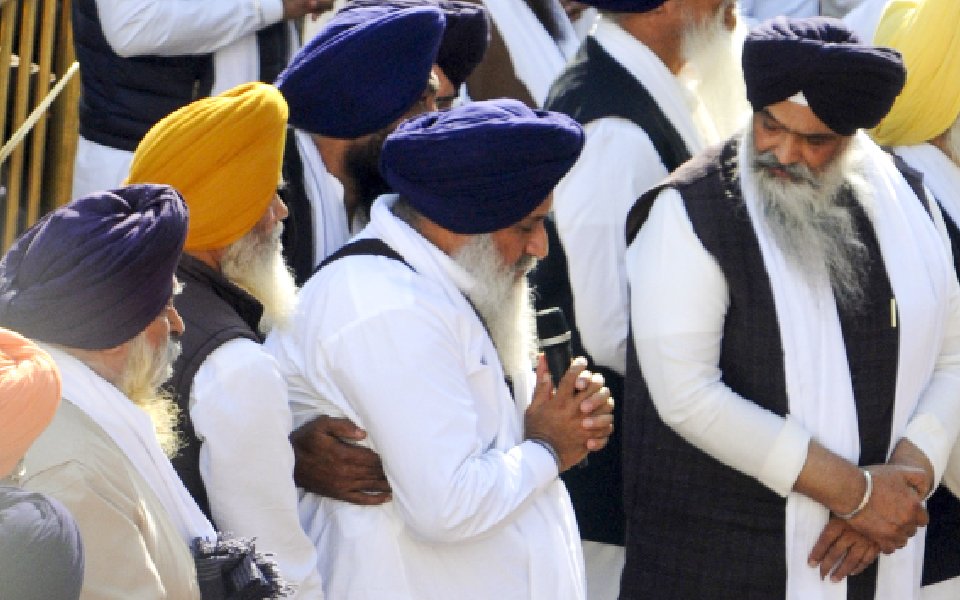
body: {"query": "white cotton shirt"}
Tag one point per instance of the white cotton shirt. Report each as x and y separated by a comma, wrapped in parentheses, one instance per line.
(239, 410)
(618, 164)
(227, 28)
(477, 512)
(679, 300)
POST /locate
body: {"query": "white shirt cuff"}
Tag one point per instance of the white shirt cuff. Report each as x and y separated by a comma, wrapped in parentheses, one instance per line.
(270, 11)
(786, 458)
(927, 434)
(540, 462)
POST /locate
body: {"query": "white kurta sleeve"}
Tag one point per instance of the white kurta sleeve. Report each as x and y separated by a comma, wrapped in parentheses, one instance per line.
(935, 425)
(238, 406)
(617, 165)
(433, 419)
(679, 300)
(174, 27)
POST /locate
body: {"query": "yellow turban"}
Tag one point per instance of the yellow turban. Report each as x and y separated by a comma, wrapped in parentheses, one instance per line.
(927, 34)
(223, 154)
(29, 396)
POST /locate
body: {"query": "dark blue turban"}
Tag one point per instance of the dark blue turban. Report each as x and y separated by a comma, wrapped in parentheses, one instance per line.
(41, 553)
(94, 273)
(480, 167)
(848, 85)
(364, 69)
(636, 6)
(465, 37)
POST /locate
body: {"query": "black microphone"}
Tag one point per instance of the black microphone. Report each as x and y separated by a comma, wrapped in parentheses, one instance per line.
(554, 341)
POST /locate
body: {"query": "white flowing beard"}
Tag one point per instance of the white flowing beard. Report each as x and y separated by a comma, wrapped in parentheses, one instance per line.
(503, 299)
(713, 70)
(147, 369)
(255, 263)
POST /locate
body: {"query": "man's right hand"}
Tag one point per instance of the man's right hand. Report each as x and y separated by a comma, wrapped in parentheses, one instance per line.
(576, 419)
(329, 465)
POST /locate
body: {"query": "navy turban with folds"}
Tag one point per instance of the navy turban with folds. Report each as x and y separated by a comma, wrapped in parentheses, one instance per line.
(480, 167)
(636, 6)
(41, 553)
(364, 69)
(94, 273)
(465, 37)
(847, 85)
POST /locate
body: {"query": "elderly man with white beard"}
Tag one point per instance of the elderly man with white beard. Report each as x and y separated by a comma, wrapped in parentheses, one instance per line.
(420, 331)
(656, 82)
(923, 129)
(224, 154)
(796, 326)
(93, 282)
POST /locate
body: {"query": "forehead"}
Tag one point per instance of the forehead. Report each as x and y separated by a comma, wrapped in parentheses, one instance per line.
(798, 118)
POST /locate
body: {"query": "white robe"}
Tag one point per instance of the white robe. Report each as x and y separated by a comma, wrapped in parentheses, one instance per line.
(476, 511)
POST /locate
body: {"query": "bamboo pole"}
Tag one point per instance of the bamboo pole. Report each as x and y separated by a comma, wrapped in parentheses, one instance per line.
(28, 26)
(38, 143)
(64, 118)
(8, 23)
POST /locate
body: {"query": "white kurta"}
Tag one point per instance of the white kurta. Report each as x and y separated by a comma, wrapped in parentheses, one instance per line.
(618, 164)
(227, 28)
(476, 512)
(239, 410)
(679, 302)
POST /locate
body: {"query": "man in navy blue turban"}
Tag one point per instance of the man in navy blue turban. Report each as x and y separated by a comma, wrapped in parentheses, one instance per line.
(93, 282)
(421, 330)
(793, 372)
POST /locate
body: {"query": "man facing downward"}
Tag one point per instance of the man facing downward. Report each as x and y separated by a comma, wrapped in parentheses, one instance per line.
(797, 325)
(421, 333)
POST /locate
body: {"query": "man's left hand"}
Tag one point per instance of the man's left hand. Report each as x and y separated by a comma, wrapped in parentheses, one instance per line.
(842, 551)
(597, 410)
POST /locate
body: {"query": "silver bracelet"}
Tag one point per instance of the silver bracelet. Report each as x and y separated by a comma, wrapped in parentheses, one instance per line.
(549, 448)
(866, 497)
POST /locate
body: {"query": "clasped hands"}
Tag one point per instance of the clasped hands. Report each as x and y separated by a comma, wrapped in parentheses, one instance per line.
(885, 524)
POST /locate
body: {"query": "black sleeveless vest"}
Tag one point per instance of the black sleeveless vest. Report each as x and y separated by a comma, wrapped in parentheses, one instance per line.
(593, 86)
(121, 98)
(214, 311)
(699, 529)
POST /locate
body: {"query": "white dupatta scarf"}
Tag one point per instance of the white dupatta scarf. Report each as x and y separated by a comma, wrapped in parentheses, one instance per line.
(819, 392)
(131, 429)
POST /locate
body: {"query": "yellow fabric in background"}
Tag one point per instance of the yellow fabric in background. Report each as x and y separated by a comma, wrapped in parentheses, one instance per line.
(224, 155)
(927, 33)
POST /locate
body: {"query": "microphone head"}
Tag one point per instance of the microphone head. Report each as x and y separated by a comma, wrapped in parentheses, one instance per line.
(552, 327)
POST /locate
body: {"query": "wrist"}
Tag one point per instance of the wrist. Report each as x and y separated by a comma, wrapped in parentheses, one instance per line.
(864, 500)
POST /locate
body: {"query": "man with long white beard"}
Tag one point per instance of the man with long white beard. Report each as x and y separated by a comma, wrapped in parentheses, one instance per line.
(796, 326)
(420, 331)
(639, 86)
(224, 154)
(93, 282)
(923, 128)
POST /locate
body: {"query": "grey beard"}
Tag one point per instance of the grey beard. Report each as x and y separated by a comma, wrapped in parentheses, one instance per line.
(147, 369)
(503, 299)
(814, 232)
(255, 263)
